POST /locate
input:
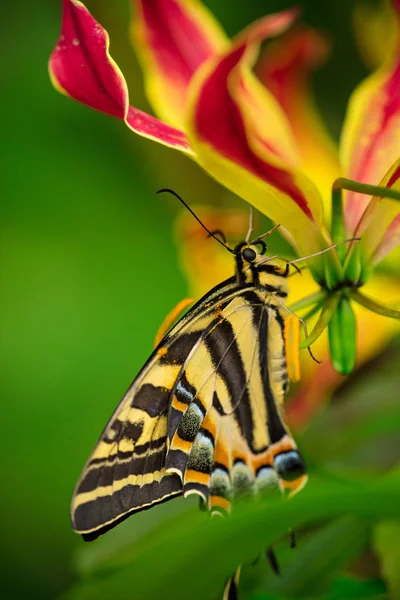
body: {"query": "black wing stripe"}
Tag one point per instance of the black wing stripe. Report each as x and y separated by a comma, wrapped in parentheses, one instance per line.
(179, 350)
(276, 430)
(121, 470)
(151, 399)
(98, 513)
(229, 362)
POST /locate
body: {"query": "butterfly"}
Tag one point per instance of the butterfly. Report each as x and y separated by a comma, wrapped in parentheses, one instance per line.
(205, 414)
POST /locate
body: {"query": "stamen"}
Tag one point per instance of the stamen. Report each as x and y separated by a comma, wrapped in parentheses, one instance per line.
(261, 237)
(325, 250)
(251, 224)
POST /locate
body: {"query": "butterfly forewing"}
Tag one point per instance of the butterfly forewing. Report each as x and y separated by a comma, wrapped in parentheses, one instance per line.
(126, 471)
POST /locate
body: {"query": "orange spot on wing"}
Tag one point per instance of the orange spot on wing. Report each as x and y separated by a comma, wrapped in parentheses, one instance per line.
(192, 476)
(210, 425)
(178, 405)
(296, 485)
(219, 502)
(263, 460)
(285, 444)
(179, 444)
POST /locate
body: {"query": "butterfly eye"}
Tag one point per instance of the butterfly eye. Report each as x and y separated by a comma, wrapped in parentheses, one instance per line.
(249, 254)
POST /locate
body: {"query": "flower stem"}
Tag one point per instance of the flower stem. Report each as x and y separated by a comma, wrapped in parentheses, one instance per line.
(375, 307)
(337, 227)
(308, 301)
(364, 188)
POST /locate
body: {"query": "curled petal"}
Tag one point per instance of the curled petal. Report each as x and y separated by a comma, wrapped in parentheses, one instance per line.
(379, 226)
(173, 38)
(285, 69)
(371, 135)
(243, 139)
(82, 68)
(390, 240)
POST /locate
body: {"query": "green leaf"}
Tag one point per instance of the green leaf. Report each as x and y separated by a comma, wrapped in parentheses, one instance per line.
(317, 559)
(194, 555)
(357, 434)
(387, 546)
(348, 587)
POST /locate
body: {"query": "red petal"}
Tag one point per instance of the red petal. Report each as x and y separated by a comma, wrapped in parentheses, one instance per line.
(285, 69)
(173, 39)
(379, 227)
(179, 41)
(81, 67)
(371, 135)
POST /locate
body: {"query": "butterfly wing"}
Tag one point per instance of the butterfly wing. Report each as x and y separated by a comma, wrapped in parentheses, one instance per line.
(126, 470)
(203, 416)
(226, 433)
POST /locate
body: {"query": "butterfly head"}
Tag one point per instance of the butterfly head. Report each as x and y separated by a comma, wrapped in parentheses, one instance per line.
(253, 267)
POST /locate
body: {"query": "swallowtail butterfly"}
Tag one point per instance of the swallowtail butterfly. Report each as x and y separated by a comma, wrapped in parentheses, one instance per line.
(205, 414)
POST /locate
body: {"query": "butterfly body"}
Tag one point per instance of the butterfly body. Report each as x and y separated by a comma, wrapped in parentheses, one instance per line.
(204, 414)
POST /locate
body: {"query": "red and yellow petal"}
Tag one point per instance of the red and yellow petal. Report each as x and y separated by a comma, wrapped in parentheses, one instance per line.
(242, 138)
(379, 227)
(285, 70)
(371, 136)
(173, 38)
(82, 68)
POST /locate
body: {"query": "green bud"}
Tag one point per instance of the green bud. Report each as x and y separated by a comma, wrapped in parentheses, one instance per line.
(342, 337)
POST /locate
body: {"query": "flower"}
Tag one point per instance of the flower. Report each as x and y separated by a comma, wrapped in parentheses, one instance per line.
(251, 135)
(318, 380)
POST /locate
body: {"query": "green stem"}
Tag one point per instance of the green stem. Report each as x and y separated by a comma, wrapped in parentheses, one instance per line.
(337, 227)
(375, 307)
(364, 188)
(323, 320)
(308, 301)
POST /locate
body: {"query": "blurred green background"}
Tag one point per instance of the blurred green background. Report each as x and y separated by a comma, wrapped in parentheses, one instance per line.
(89, 269)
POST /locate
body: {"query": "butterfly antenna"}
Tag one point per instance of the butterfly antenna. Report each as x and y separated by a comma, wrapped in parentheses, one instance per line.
(221, 233)
(210, 233)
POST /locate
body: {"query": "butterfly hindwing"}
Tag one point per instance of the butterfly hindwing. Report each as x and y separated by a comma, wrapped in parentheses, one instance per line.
(203, 416)
(231, 438)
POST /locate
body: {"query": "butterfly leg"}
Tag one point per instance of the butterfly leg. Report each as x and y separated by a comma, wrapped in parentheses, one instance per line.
(231, 586)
